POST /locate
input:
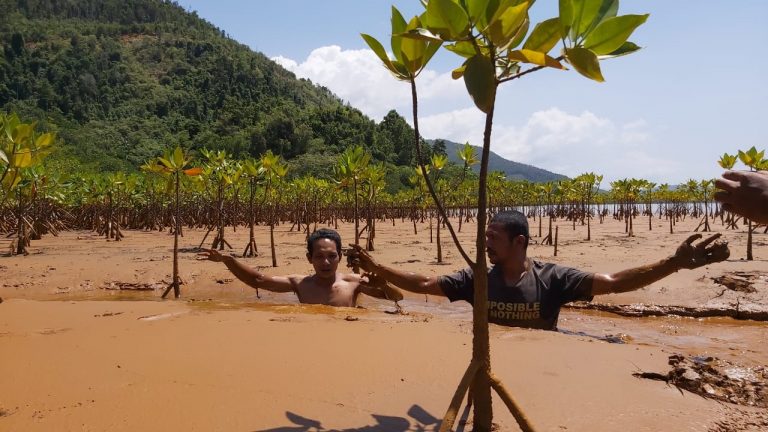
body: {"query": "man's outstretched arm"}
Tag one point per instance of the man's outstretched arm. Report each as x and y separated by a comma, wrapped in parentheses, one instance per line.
(687, 256)
(248, 275)
(408, 281)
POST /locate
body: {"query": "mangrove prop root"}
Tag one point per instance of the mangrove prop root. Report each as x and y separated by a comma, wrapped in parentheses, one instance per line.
(453, 409)
(514, 408)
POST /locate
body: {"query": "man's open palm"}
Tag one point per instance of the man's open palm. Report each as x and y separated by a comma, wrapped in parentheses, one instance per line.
(707, 251)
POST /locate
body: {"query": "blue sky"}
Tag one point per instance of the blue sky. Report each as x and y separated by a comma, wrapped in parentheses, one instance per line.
(666, 113)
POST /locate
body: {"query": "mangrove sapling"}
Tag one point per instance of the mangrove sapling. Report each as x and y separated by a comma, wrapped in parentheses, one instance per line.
(253, 172)
(115, 184)
(21, 149)
(173, 164)
(755, 161)
(373, 184)
(727, 162)
(706, 193)
(221, 173)
(348, 171)
(273, 169)
(486, 35)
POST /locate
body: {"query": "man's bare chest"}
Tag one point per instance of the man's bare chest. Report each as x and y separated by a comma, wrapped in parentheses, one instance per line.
(337, 294)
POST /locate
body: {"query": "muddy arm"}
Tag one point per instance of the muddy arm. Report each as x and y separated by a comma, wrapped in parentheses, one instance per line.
(408, 281)
(377, 287)
(248, 275)
(687, 256)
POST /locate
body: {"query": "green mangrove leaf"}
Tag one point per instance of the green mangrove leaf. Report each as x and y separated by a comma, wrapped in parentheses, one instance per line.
(534, 57)
(626, 48)
(398, 26)
(585, 62)
(611, 34)
(45, 140)
(505, 25)
(178, 157)
(584, 14)
(544, 36)
(378, 49)
(522, 31)
(566, 17)
(478, 12)
(421, 34)
(480, 80)
(462, 48)
(447, 19)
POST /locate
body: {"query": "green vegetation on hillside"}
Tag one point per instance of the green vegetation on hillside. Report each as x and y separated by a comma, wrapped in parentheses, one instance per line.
(122, 80)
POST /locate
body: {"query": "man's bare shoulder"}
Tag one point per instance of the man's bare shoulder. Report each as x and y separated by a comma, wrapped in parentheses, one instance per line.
(297, 279)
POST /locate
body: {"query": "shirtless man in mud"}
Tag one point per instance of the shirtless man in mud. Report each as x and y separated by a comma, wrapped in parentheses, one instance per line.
(523, 292)
(327, 286)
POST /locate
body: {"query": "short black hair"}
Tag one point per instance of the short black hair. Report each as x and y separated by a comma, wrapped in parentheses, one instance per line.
(324, 233)
(514, 223)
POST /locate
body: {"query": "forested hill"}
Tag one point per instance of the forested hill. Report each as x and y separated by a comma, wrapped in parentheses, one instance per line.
(122, 79)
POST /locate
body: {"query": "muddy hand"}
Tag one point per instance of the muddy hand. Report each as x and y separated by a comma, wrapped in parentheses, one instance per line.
(707, 251)
(389, 290)
(744, 193)
(352, 260)
(359, 257)
(210, 255)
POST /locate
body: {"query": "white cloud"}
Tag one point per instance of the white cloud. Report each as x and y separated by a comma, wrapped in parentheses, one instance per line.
(561, 142)
(358, 77)
(553, 139)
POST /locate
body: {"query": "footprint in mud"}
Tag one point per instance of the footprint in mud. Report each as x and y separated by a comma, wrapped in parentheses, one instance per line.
(160, 316)
(283, 319)
(48, 332)
(107, 314)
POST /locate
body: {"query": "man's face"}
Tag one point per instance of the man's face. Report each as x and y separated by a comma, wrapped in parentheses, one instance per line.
(498, 245)
(324, 258)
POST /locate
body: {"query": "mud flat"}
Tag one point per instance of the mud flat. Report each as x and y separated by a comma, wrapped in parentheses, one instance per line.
(87, 345)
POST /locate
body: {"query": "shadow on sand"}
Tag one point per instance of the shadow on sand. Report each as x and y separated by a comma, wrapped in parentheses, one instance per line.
(417, 420)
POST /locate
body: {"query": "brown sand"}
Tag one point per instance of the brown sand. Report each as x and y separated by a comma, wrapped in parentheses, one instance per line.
(221, 359)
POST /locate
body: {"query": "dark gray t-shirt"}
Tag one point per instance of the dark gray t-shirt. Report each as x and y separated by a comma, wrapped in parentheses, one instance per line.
(533, 302)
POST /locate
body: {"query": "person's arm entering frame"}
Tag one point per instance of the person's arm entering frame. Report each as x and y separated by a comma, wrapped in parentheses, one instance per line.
(248, 275)
(408, 281)
(744, 193)
(687, 256)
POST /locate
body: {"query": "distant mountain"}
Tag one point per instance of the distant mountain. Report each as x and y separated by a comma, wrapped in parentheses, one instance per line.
(513, 170)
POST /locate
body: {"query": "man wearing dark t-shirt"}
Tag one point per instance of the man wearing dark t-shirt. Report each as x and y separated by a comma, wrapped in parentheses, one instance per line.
(526, 293)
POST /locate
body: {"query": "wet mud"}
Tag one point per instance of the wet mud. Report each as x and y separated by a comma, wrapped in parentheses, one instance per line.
(717, 379)
(133, 286)
(740, 281)
(647, 310)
